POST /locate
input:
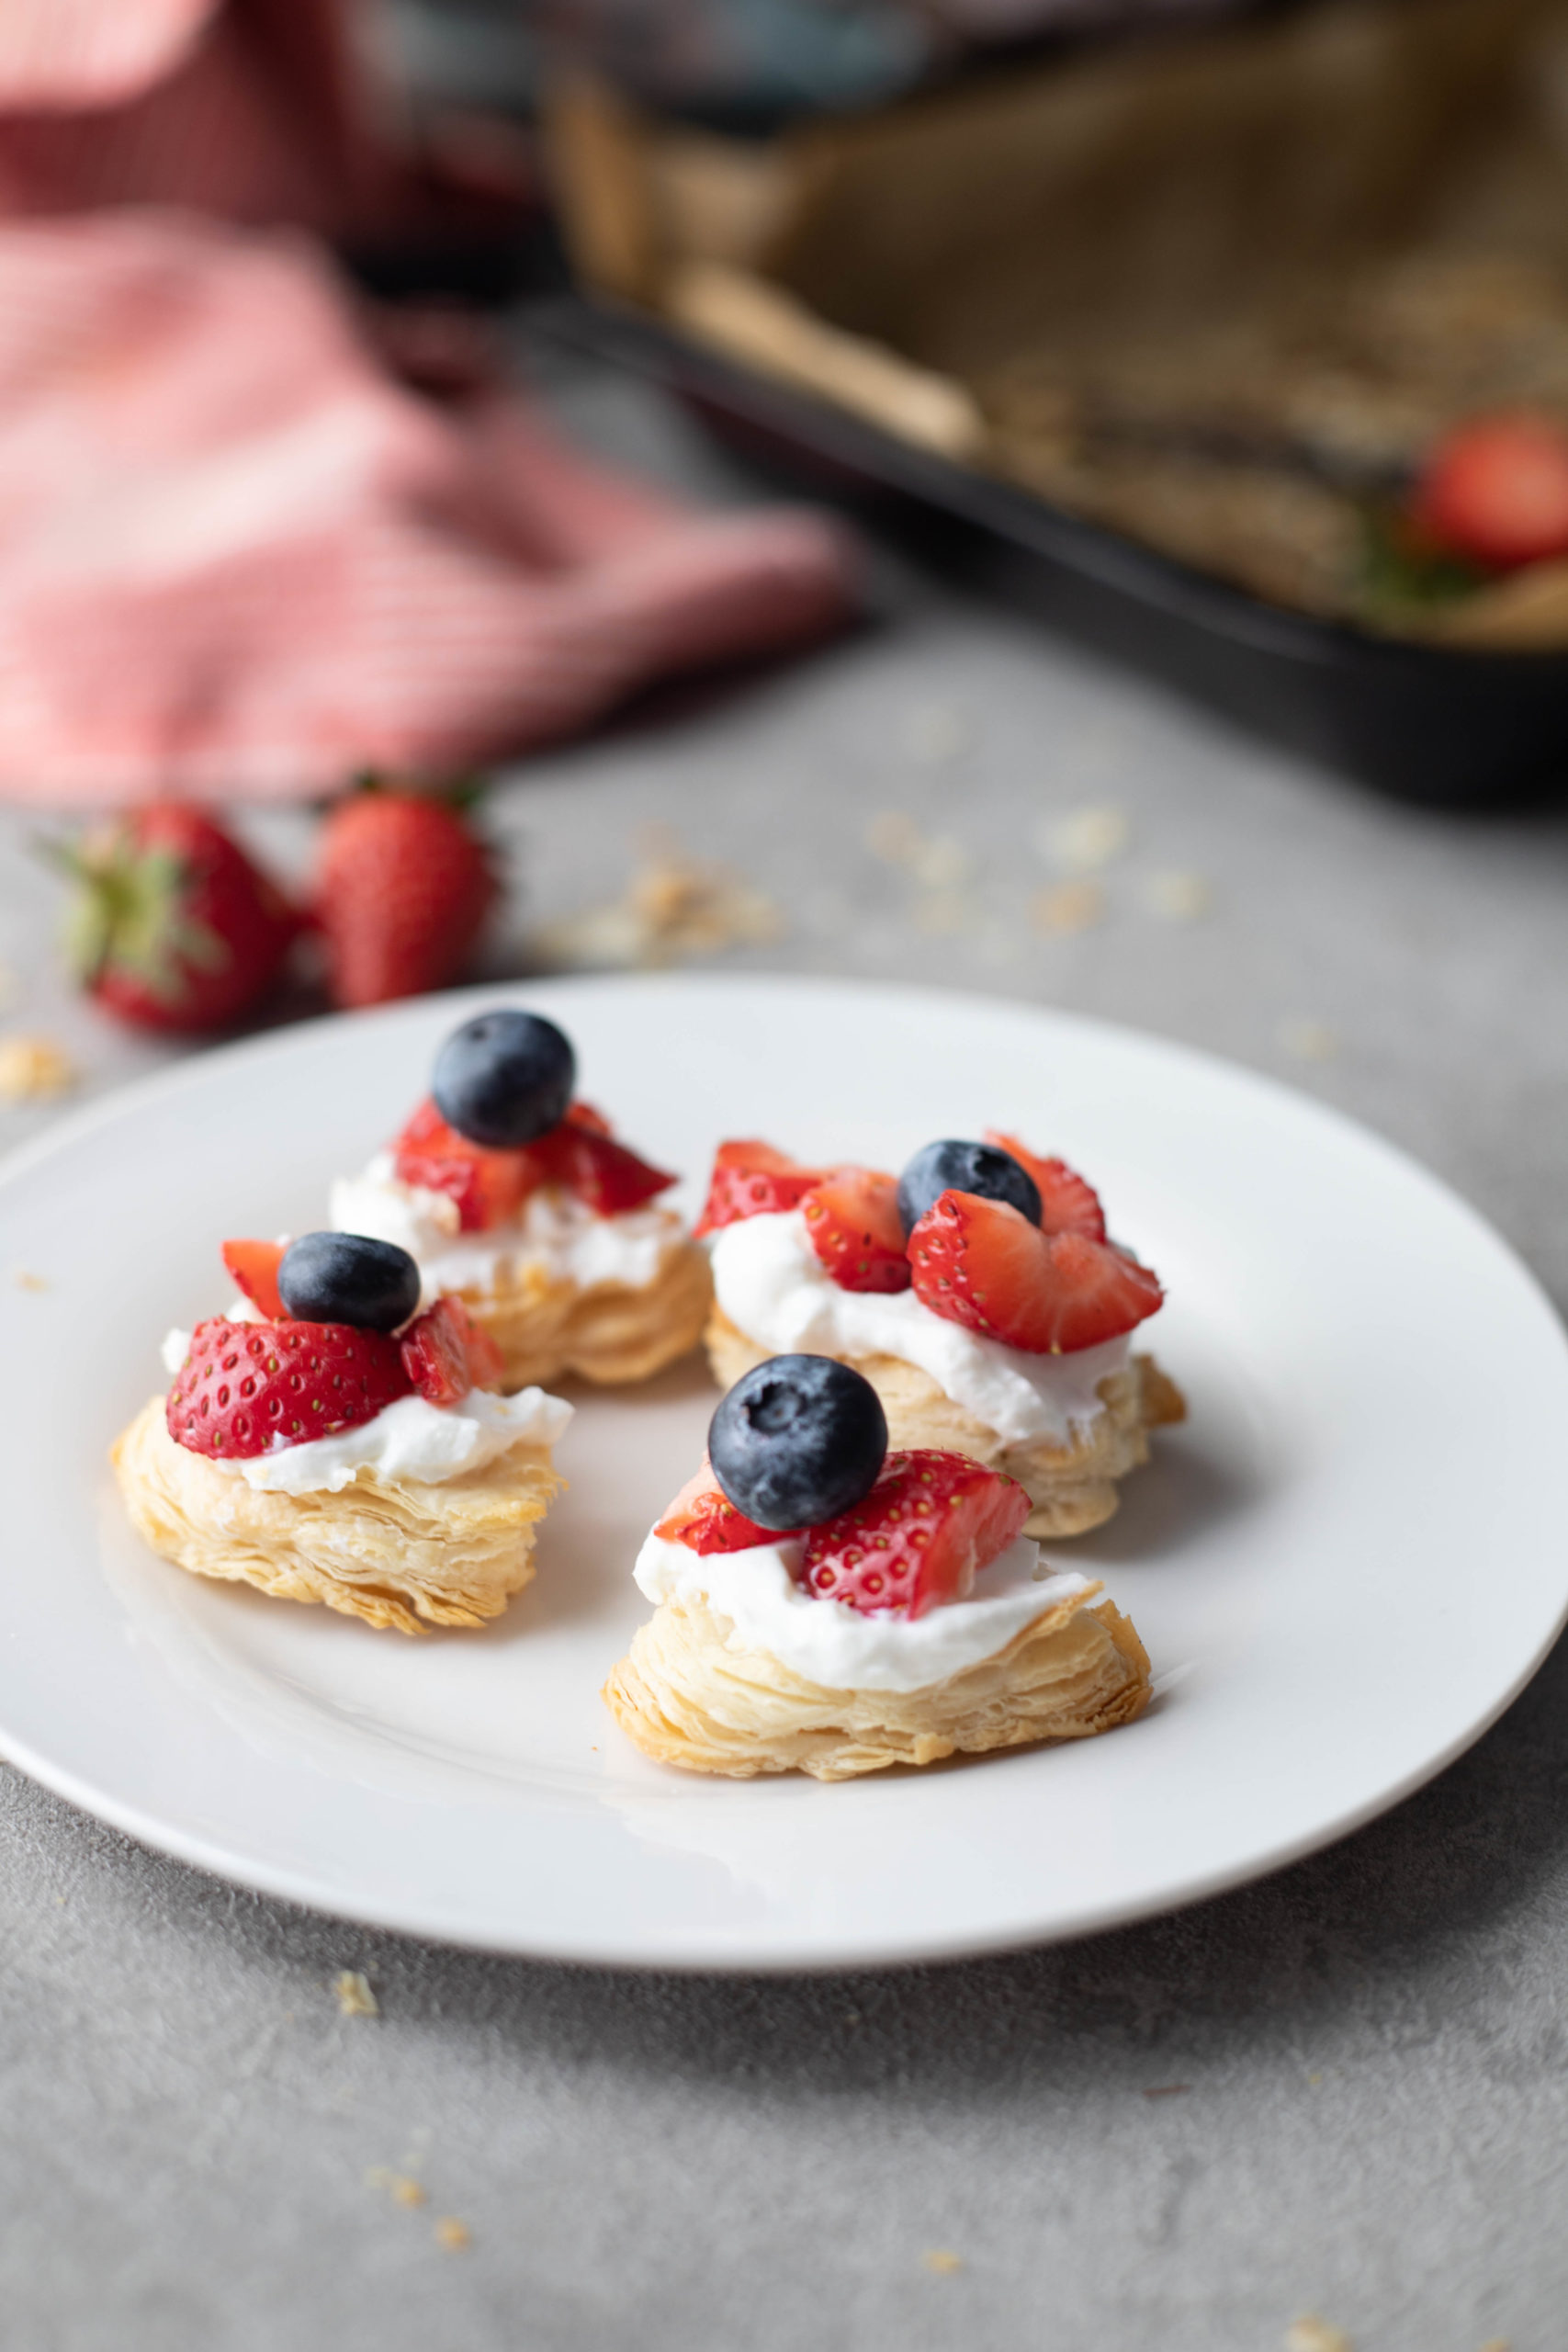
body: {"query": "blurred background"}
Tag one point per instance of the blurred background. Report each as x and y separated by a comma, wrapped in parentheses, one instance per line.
(965, 489)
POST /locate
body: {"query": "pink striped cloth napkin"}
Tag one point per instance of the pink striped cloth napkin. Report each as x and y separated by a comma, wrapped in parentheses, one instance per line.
(237, 557)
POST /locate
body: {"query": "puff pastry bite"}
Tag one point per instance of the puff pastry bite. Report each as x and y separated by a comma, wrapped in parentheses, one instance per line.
(914, 1624)
(515, 1197)
(978, 1292)
(358, 1457)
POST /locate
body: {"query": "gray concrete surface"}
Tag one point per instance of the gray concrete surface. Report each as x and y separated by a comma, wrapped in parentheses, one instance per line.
(1344, 2091)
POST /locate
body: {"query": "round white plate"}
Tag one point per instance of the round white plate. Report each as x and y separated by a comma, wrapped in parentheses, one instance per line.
(1344, 1567)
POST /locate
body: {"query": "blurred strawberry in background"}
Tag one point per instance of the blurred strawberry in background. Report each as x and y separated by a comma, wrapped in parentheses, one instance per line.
(172, 926)
(401, 891)
(1495, 492)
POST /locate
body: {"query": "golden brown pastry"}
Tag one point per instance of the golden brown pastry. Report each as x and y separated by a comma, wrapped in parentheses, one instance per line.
(395, 1555)
(687, 1695)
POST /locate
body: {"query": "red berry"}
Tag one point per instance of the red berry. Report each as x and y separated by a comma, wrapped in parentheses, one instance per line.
(853, 1224)
(1067, 1204)
(980, 1263)
(702, 1518)
(172, 926)
(252, 1267)
(401, 892)
(581, 1154)
(488, 1186)
(751, 1178)
(1495, 491)
(930, 1523)
(445, 1354)
(244, 1386)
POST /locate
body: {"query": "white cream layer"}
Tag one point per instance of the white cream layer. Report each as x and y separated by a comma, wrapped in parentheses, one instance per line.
(772, 1284)
(828, 1643)
(552, 1229)
(411, 1442)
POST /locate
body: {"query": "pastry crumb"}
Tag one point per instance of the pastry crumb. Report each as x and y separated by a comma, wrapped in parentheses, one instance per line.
(1496, 2344)
(26, 1280)
(1167, 2090)
(894, 836)
(1178, 897)
(452, 2235)
(400, 2187)
(1310, 2334)
(354, 1998)
(936, 732)
(1307, 1040)
(35, 1069)
(1067, 906)
(1084, 839)
(674, 907)
(938, 2259)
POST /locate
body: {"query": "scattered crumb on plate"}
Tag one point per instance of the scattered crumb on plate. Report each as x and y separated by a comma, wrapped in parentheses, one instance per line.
(1307, 1040)
(1067, 906)
(1310, 2334)
(35, 1069)
(942, 2262)
(354, 1998)
(400, 2187)
(1084, 839)
(1178, 897)
(674, 907)
(452, 2235)
(26, 1280)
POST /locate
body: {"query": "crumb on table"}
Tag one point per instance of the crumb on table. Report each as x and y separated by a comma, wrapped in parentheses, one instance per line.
(452, 2235)
(937, 2258)
(1067, 906)
(35, 1069)
(354, 1998)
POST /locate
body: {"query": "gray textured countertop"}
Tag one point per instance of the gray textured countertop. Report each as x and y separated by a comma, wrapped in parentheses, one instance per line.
(1343, 2092)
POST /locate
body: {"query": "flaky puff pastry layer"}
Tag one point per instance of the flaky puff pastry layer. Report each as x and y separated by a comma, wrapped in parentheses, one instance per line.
(609, 1333)
(402, 1557)
(685, 1696)
(1072, 1486)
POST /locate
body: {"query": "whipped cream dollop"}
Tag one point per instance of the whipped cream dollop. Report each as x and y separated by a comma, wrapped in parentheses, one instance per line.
(772, 1284)
(828, 1643)
(552, 1229)
(410, 1443)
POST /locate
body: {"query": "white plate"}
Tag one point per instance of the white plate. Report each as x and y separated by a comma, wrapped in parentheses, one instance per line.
(1344, 1567)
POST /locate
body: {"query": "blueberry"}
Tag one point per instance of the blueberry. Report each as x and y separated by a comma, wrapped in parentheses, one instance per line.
(504, 1079)
(347, 1278)
(797, 1441)
(952, 1167)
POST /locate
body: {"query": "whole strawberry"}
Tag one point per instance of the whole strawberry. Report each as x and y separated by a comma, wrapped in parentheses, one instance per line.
(402, 889)
(172, 926)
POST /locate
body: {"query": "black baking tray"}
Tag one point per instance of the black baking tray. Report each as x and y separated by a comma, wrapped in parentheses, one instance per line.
(1452, 728)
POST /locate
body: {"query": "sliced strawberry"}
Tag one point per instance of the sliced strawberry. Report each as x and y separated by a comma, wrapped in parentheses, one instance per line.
(702, 1518)
(488, 1186)
(1067, 1204)
(439, 1353)
(751, 1178)
(930, 1523)
(980, 1263)
(604, 1175)
(853, 1224)
(252, 1267)
(243, 1386)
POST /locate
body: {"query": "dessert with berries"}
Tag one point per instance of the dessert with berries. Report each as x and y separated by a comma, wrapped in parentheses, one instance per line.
(330, 1440)
(979, 1293)
(827, 1606)
(515, 1197)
